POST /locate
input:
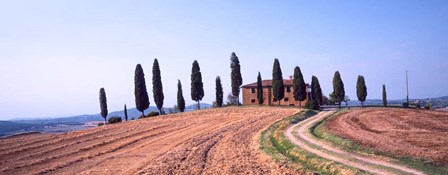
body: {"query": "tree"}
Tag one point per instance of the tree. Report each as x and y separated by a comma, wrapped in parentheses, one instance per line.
(197, 87)
(141, 95)
(299, 86)
(180, 97)
(219, 92)
(235, 75)
(346, 100)
(103, 104)
(277, 82)
(232, 100)
(260, 89)
(125, 113)
(316, 90)
(338, 88)
(384, 96)
(361, 90)
(157, 88)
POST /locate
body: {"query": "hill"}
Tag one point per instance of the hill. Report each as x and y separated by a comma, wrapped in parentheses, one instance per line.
(212, 141)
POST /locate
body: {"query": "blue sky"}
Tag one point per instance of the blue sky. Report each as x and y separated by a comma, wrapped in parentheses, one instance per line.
(56, 55)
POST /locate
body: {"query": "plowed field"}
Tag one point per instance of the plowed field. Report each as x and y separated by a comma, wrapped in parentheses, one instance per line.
(214, 141)
(405, 132)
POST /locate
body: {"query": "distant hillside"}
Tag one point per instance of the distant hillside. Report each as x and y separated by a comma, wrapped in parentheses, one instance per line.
(439, 102)
(74, 122)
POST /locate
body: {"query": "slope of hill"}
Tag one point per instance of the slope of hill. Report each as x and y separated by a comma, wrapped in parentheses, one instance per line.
(212, 141)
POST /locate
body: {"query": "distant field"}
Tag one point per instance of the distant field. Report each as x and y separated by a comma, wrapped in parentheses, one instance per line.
(404, 132)
(212, 141)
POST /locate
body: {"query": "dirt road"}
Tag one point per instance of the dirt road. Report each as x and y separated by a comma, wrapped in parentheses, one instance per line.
(300, 135)
(214, 141)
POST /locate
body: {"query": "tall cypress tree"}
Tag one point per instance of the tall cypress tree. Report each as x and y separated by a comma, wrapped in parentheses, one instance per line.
(277, 82)
(384, 96)
(316, 90)
(180, 97)
(299, 86)
(219, 92)
(260, 89)
(103, 104)
(141, 95)
(235, 75)
(338, 88)
(125, 113)
(197, 87)
(157, 88)
(361, 89)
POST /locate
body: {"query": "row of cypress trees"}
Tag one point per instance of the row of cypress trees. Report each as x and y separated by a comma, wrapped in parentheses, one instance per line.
(197, 88)
(316, 96)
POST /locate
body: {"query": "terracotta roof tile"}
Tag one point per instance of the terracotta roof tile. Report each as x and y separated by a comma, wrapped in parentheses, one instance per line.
(268, 83)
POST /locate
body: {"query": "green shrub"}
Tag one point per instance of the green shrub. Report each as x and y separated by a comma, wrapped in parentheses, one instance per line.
(312, 104)
(151, 114)
(100, 124)
(405, 105)
(113, 120)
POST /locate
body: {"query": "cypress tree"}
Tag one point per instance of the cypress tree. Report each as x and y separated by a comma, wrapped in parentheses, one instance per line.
(197, 87)
(235, 75)
(316, 90)
(125, 113)
(157, 88)
(219, 92)
(260, 89)
(277, 82)
(384, 96)
(103, 104)
(299, 86)
(361, 90)
(141, 95)
(180, 97)
(338, 88)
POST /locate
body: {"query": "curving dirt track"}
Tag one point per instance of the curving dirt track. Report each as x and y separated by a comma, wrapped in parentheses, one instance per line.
(214, 141)
(300, 135)
(415, 133)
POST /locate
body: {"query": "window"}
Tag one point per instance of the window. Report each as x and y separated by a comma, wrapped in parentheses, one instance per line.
(252, 100)
(253, 90)
(286, 99)
(288, 89)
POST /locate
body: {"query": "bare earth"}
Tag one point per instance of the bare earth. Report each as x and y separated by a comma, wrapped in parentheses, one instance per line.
(300, 135)
(214, 141)
(415, 133)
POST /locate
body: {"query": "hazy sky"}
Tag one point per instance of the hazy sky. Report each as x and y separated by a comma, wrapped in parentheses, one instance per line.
(56, 55)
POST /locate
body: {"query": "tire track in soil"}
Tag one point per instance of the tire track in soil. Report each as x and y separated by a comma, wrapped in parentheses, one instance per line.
(58, 146)
(83, 150)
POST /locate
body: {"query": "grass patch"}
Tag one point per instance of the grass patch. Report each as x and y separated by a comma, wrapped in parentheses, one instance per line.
(320, 131)
(275, 144)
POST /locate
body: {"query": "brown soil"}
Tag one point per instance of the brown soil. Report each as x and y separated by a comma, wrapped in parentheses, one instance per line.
(214, 141)
(415, 133)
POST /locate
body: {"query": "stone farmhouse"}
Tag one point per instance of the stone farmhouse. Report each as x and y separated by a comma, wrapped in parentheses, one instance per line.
(250, 94)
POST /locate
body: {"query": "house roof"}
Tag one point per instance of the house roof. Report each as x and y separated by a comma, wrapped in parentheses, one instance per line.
(268, 83)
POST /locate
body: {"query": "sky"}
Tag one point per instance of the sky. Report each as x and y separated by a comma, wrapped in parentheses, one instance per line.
(55, 55)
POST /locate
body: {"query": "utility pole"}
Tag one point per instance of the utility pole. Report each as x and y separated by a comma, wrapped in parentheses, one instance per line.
(407, 88)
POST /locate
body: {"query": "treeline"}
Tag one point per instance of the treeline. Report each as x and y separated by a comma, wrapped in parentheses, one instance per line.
(197, 90)
(314, 97)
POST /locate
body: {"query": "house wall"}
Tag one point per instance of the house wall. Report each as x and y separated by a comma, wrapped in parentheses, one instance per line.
(250, 98)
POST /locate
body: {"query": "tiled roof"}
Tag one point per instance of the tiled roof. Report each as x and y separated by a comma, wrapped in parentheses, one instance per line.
(268, 83)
